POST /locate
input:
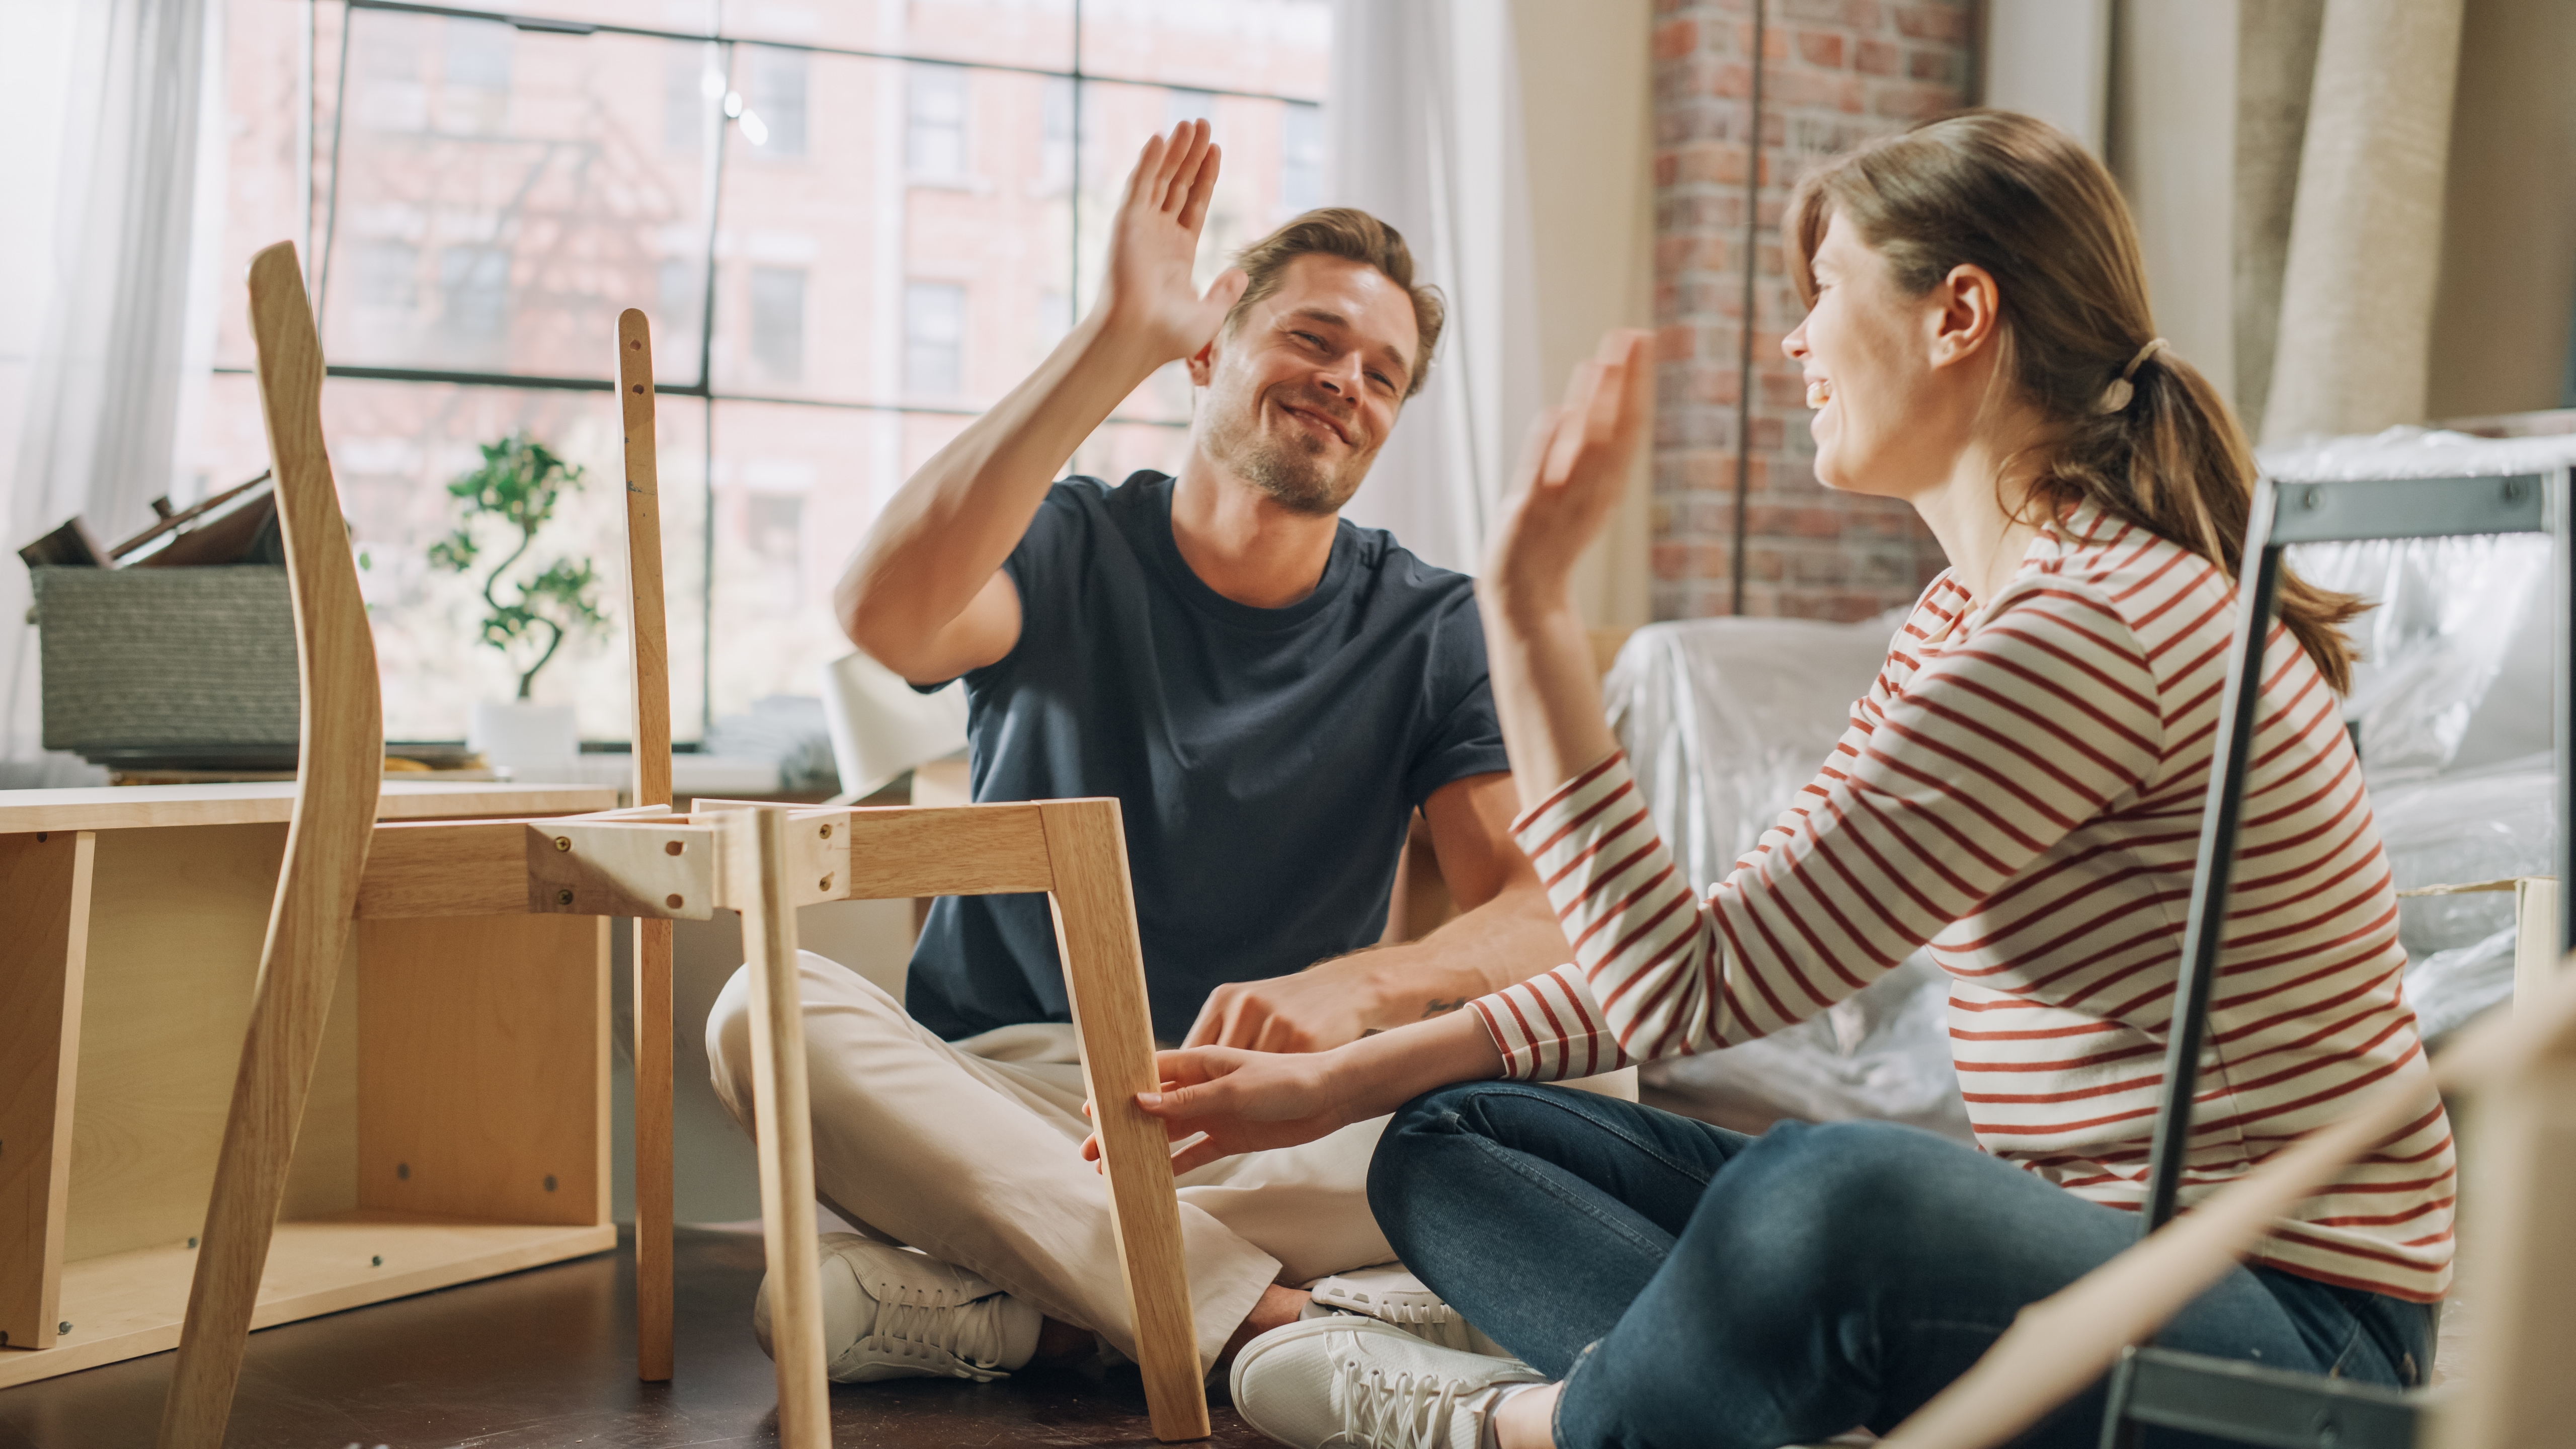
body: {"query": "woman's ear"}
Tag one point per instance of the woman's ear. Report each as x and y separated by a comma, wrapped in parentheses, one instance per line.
(1966, 310)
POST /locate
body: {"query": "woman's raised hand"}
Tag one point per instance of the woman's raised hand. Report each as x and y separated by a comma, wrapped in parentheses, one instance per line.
(1146, 292)
(1575, 465)
(1244, 1102)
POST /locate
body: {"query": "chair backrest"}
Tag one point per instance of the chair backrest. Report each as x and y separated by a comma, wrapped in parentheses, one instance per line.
(339, 765)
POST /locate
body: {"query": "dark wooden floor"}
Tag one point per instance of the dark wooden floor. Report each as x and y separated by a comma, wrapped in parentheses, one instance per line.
(546, 1357)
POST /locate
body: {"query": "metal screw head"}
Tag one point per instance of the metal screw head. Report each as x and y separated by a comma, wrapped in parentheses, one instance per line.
(63, 1327)
(192, 1242)
(827, 882)
(563, 842)
(2312, 497)
(564, 897)
(377, 1261)
(403, 1171)
(2513, 490)
(672, 901)
(673, 847)
(550, 1182)
(827, 832)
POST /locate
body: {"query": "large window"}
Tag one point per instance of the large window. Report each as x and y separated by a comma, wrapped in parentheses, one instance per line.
(853, 227)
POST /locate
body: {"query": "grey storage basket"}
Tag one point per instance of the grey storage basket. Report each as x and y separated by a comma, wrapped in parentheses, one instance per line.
(170, 668)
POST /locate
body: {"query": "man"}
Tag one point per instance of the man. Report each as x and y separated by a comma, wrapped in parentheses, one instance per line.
(1270, 693)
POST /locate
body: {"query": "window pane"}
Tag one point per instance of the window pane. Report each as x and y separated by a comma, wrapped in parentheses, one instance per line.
(960, 202)
(261, 203)
(796, 487)
(1271, 47)
(505, 193)
(394, 447)
(1034, 33)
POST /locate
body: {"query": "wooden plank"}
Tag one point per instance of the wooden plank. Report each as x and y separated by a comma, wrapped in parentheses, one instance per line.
(341, 757)
(647, 632)
(129, 1305)
(466, 868)
(563, 866)
(955, 850)
(1104, 974)
(2535, 935)
(177, 920)
(756, 861)
(483, 1058)
(137, 807)
(44, 945)
(2520, 1265)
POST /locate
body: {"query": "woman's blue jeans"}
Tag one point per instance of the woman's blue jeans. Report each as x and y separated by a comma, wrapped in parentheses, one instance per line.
(1695, 1286)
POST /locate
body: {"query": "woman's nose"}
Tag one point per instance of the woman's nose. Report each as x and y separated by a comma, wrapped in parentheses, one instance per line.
(1794, 346)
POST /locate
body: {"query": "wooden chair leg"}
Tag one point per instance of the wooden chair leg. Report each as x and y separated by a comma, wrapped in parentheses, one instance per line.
(44, 961)
(339, 767)
(755, 859)
(652, 746)
(1104, 970)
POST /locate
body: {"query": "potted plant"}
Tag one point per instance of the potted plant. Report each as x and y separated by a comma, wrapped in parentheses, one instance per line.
(517, 487)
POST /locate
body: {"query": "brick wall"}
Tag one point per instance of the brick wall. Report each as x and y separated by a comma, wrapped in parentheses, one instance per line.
(1834, 73)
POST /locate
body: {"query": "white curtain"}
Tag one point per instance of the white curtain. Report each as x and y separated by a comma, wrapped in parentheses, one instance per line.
(126, 302)
(1425, 131)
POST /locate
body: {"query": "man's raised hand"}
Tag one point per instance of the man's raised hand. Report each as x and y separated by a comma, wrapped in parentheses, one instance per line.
(1146, 291)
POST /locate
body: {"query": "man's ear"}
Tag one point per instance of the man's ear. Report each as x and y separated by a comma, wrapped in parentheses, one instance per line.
(1202, 363)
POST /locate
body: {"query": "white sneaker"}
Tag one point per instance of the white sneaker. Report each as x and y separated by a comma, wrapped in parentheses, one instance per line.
(893, 1313)
(1343, 1380)
(1392, 1294)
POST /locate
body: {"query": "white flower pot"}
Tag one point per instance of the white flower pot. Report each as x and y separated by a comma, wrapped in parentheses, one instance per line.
(514, 733)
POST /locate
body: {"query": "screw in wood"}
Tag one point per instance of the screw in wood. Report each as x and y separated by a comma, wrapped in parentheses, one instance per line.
(376, 1261)
(403, 1171)
(563, 842)
(550, 1182)
(63, 1327)
(43, 835)
(827, 832)
(673, 847)
(672, 901)
(192, 1242)
(827, 883)
(564, 897)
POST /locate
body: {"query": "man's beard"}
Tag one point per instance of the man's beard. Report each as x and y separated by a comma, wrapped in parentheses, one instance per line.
(1291, 471)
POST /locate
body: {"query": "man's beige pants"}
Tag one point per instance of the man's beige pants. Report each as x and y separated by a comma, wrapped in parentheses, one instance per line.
(971, 1152)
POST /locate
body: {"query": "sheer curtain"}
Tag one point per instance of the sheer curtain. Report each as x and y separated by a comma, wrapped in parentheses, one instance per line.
(126, 302)
(1425, 127)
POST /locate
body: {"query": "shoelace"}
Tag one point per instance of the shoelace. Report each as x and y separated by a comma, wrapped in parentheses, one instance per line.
(1412, 1413)
(937, 1323)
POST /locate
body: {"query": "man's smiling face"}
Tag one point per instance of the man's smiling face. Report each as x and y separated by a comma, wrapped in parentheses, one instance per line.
(1303, 389)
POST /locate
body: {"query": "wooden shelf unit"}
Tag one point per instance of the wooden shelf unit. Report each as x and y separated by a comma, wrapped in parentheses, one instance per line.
(459, 1117)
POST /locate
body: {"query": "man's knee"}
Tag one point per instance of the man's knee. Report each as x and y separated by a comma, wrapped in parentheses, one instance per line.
(822, 984)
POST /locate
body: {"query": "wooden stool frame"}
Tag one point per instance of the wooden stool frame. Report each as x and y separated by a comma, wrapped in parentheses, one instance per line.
(646, 863)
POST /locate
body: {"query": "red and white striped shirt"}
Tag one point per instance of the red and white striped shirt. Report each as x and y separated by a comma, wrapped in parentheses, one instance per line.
(2021, 789)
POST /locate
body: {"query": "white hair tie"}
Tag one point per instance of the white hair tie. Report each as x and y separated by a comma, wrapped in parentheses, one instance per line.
(2117, 395)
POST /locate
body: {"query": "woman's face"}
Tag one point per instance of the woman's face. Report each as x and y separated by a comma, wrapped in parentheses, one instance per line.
(1870, 356)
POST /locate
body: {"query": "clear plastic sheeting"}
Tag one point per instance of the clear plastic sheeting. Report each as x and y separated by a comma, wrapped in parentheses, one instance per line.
(1724, 720)
(1883, 1052)
(2454, 616)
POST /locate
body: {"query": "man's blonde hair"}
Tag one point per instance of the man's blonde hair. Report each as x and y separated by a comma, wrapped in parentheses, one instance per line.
(1354, 235)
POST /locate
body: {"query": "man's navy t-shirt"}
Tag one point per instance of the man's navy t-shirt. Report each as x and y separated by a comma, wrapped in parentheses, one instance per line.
(1265, 760)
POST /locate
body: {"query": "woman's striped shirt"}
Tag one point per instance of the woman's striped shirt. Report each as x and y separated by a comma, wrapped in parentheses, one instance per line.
(2021, 788)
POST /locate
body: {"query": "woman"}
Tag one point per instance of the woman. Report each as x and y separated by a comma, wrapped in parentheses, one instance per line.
(2021, 789)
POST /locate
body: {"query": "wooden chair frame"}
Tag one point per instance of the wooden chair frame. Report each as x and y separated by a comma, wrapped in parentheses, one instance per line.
(654, 866)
